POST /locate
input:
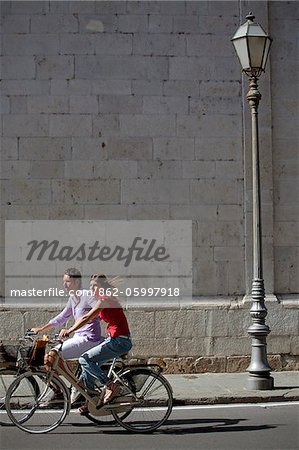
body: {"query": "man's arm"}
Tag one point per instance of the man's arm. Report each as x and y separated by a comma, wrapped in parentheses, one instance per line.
(47, 326)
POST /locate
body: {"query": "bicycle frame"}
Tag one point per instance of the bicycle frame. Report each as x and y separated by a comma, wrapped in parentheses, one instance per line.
(60, 367)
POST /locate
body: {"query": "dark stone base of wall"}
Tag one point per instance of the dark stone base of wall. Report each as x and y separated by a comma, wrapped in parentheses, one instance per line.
(214, 364)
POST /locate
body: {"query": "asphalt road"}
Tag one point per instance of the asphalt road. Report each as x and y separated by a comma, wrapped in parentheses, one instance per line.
(220, 427)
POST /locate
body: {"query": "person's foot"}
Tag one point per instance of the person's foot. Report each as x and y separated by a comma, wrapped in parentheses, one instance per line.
(112, 390)
(75, 394)
(83, 410)
(51, 398)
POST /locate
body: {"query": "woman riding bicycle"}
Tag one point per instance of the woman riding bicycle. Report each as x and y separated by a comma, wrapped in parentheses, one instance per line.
(118, 342)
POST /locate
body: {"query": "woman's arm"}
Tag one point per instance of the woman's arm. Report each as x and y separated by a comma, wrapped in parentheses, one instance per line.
(82, 321)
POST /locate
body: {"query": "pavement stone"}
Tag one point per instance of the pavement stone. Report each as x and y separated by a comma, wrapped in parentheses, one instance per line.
(224, 388)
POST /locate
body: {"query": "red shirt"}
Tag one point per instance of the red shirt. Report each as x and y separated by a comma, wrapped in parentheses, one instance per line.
(114, 316)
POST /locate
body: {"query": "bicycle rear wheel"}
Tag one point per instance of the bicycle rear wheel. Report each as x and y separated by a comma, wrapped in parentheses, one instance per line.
(37, 413)
(152, 405)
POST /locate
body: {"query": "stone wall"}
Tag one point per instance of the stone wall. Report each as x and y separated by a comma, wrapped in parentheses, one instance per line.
(208, 337)
(136, 110)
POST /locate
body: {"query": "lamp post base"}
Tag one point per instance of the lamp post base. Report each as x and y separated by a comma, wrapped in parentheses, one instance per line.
(260, 383)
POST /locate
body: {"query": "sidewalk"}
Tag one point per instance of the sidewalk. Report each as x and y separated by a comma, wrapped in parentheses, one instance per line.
(216, 388)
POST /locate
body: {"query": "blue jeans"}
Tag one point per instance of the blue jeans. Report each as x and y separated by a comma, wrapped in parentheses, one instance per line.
(92, 360)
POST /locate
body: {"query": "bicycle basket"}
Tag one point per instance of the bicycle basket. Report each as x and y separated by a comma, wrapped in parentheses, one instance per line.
(33, 354)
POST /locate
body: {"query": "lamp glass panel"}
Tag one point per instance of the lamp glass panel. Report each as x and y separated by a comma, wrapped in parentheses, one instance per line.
(242, 52)
(266, 53)
(256, 47)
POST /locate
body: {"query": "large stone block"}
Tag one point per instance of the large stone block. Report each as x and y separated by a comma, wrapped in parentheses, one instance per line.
(98, 23)
(109, 86)
(159, 169)
(278, 344)
(105, 212)
(25, 125)
(54, 23)
(160, 23)
(224, 346)
(44, 148)
(180, 324)
(84, 104)
(13, 23)
(79, 169)
(155, 191)
(53, 66)
(147, 87)
(211, 148)
(181, 88)
(33, 7)
(120, 104)
(165, 105)
(121, 67)
(30, 44)
(238, 322)
(9, 149)
(209, 191)
(204, 45)
(282, 321)
(173, 148)
(191, 346)
(153, 347)
(15, 169)
(77, 44)
(11, 325)
(85, 191)
(216, 323)
(42, 104)
(17, 67)
(130, 148)
(30, 192)
(159, 44)
(37, 318)
(113, 44)
(47, 169)
(88, 148)
(62, 125)
(115, 169)
(147, 125)
(26, 87)
(148, 212)
(141, 323)
(185, 24)
(131, 23)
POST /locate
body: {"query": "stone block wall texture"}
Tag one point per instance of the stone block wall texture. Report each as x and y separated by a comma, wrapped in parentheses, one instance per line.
(136, 110)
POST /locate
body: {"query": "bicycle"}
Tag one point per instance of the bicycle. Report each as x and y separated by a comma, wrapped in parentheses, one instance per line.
(20, 364)
(13, 368)
(144, 404)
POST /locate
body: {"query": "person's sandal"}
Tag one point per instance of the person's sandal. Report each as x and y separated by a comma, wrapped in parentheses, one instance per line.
(83, 410)
(112, 390)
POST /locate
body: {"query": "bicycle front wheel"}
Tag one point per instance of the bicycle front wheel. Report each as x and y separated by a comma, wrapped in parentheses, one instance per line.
(37, 410)
(151, 402)
(7, 376)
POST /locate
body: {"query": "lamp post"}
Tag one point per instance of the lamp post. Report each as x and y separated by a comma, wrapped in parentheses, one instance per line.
(252, 46)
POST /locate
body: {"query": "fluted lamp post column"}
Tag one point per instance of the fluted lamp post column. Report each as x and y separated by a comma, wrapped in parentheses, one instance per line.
(252, 46)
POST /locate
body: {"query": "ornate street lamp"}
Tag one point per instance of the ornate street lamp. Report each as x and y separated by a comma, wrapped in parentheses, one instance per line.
(252, 46)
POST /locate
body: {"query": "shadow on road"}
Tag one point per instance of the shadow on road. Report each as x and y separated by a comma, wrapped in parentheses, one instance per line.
(182, 426)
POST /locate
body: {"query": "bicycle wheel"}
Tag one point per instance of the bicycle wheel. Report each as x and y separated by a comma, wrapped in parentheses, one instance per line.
(7, 376)
(34, 413)
(152, 404)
